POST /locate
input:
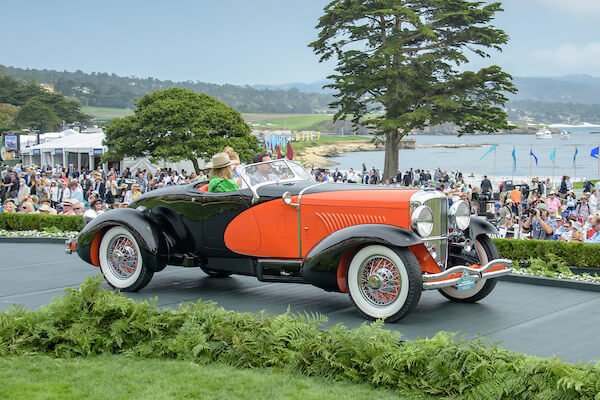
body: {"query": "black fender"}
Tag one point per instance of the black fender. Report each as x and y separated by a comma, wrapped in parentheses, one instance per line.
(153, 246)
(321, 263)
(481, 227)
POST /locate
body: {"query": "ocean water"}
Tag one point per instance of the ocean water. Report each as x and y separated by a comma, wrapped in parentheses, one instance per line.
(468, 159)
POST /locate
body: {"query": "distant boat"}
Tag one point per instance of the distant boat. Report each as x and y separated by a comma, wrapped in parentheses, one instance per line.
(543, 133)
(595, 133)
(565, 135)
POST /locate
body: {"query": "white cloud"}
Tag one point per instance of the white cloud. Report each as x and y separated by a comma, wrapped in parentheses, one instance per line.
(570, 58)
(581, 8)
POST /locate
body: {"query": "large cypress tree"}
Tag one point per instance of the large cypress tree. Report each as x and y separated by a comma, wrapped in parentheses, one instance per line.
(404, 61)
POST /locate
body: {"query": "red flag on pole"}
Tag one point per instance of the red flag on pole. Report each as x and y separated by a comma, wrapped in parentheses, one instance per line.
(289, 152)
(278, 150)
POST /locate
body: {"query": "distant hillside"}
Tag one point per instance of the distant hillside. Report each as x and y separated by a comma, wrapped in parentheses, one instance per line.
(580, 89)
(110, 90)
(571, 99)
(314, 87)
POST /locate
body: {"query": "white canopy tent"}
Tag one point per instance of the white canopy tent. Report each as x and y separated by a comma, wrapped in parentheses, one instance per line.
(31, 139)
(68, 150)
(84, 149)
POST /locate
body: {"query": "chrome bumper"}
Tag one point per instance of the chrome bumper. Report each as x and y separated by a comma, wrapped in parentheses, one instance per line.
(437, 281)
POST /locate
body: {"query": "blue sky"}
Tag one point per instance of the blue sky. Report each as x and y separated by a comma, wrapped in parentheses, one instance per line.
(256, 41)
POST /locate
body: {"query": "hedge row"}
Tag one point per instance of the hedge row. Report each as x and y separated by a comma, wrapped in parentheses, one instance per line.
(572, 254)
(90, 321)
(40, 222)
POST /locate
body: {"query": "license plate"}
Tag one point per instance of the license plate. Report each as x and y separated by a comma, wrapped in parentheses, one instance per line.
(466, 282)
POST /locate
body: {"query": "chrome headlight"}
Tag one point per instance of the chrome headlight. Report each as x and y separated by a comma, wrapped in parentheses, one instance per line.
(461, 214)
(422, 221)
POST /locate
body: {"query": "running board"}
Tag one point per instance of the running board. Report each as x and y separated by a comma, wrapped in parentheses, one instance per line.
(279, 270)
(446, 278)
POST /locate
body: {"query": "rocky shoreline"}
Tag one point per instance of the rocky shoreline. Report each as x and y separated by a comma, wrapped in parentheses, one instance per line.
(320, 156)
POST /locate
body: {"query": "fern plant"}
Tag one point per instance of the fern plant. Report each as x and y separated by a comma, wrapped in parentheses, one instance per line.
(90, 321)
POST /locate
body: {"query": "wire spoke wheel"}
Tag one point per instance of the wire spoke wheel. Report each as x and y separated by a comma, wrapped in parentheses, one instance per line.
(384, 282)
(121, 260)
(379, 280)
(122, 256)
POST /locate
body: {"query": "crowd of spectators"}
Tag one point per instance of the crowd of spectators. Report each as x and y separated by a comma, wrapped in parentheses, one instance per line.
(528, 210)
(533, 210)
(58, 190)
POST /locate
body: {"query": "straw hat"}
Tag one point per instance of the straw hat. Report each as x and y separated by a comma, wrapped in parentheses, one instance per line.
(70, 202)
(136, 186)
(219, 160)
(123, 186)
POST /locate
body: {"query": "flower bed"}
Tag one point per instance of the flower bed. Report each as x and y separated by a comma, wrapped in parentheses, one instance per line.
(39, 234)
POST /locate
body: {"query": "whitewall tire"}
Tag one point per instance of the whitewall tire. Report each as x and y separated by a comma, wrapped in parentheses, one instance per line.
(486, 251)
(384, 283)
(121, 260)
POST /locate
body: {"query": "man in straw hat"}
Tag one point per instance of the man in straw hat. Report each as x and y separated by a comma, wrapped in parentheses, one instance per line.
(221, 175)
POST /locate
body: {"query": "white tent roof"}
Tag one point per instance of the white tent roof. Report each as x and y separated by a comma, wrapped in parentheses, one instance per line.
(74, 143)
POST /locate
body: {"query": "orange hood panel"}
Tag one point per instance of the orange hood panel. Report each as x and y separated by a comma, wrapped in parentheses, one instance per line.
(271, 229)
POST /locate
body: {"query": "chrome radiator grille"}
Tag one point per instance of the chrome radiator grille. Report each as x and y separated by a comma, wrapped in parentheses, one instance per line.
(438, 241)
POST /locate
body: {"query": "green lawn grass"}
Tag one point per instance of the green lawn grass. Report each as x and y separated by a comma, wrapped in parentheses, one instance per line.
(287, 121)
(106, 113)
(257, 120)
(120, 377)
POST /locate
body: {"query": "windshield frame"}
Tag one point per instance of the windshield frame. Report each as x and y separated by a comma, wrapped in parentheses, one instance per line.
(291, 165)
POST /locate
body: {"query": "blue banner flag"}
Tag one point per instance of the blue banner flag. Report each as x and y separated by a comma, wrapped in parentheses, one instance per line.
(492, 148)
(534, 156)
(575, 155)
(552, 155)
(594, 152)
(514, 156)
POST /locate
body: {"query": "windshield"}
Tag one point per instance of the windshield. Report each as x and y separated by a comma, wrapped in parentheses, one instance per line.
(273, 171)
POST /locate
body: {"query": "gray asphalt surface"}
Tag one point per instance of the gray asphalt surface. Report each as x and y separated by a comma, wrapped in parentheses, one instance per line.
(532, 319)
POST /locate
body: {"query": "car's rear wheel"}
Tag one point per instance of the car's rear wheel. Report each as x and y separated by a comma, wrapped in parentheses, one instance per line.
(215, 274)
(384, 282)
(486, 251)
(121, 261)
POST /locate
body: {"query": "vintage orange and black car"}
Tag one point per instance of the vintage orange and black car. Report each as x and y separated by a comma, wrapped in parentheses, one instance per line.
(382, 245)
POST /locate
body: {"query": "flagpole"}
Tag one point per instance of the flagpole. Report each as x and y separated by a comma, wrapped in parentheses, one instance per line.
(575, 166)
(530, 167)
(494, 167)
(553, 165)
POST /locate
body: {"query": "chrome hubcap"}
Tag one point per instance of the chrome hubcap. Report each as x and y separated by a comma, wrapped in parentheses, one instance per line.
(122, 256)
(379, 280)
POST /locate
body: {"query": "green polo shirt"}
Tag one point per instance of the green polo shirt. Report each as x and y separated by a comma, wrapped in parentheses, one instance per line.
(219, 185)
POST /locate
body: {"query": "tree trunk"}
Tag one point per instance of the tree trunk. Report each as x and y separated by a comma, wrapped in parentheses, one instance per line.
(194, 161)
(392, 142)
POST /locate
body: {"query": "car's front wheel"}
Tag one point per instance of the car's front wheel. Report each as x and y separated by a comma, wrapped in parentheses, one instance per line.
(121, 261)
(384, 282)
(486, 251)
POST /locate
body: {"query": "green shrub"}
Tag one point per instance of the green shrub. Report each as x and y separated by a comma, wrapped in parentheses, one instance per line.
(572, 254)
(40, 222)
(89, 321)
